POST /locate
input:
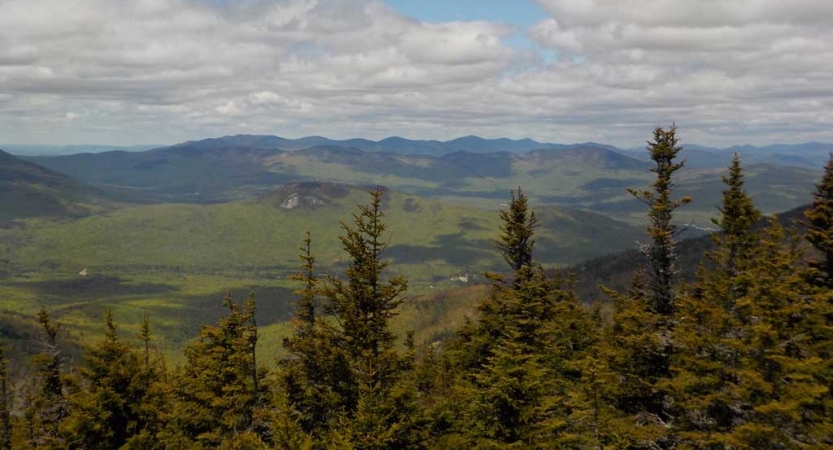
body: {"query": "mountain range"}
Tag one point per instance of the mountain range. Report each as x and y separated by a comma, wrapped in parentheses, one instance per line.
(811, 154)
(580, 176)
(167, 230)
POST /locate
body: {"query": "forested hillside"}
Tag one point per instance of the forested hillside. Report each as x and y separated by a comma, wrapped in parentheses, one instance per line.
(736, 357)
(28, 190)
(466, 171)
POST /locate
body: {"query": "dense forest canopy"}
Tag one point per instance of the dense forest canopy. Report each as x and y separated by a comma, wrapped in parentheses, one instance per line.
(739, 358)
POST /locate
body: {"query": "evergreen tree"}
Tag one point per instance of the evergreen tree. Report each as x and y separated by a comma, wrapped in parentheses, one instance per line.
(781, 391)
(519, 360)
(363, 305)
(636, 351)
(5, 405)
(148, 390)
(102, 414)
(640, 345)
(316, 380)
(117, 405)
(819, 223)
(737, 220)
(219, 393)
(820, 227)
(708, 334)
(661, 253)
(48, 406)
(517, 230)
(523, 299)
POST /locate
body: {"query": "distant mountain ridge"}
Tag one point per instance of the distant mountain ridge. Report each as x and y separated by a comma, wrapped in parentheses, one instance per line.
(467, 171)
(393, 144)
(233, 167)
(58, 150)
(811, 155)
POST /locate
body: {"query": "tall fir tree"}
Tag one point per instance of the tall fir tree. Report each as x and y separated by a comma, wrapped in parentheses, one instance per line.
(48, 406)
(635, 351)
(316, 380)
(102, 414)
(117, 405)
(5, 404)
(516, 241)
(709, 324)
(781, 393)
(148, 390)
(363, 304)
(520, 296)
(219, 393)
(738, 217)
(640, 344)
(516, 360)
(819, 222)
(661, 253)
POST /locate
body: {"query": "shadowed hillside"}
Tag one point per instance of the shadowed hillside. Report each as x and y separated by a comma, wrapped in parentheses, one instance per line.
(616, 270)
(28, 190)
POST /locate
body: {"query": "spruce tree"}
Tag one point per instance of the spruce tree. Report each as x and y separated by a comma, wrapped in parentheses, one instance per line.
(382, 413)
(316, 380)
(103, 414)
(781, 393)
(738, 217)
(708, 333)
(517, 228)
(364, 302)
(219, 393)
(5, 405)
(640, 345)
(519, 360)
(661, 253)
(636, 352)
(148, 393)
(819, 222)
(522, 296)
(117, 408)
(48, 406)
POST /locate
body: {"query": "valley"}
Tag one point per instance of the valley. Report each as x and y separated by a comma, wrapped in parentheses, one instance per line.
(167, 231)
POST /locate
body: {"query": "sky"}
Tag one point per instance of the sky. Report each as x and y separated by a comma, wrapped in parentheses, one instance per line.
(125, 72)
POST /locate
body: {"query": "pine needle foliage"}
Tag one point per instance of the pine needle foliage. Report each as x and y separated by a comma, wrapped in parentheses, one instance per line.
(48, 406)
(316, 382)
(218, 394)
(517, 228)
(710, 325)
(737, 219)
(5, 405)
(378, 410)
(661, 252)
(819, 222)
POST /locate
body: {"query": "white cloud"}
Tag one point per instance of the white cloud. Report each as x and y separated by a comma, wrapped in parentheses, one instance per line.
(170, 70)
(744, 70)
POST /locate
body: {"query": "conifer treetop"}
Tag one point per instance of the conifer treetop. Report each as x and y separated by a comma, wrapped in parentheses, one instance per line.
(661, 252)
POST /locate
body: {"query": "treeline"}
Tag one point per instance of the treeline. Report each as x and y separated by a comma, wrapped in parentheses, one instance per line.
(738, 359)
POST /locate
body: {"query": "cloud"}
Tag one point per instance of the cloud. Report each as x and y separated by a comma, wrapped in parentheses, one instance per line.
(135, 71)
(745, 70)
